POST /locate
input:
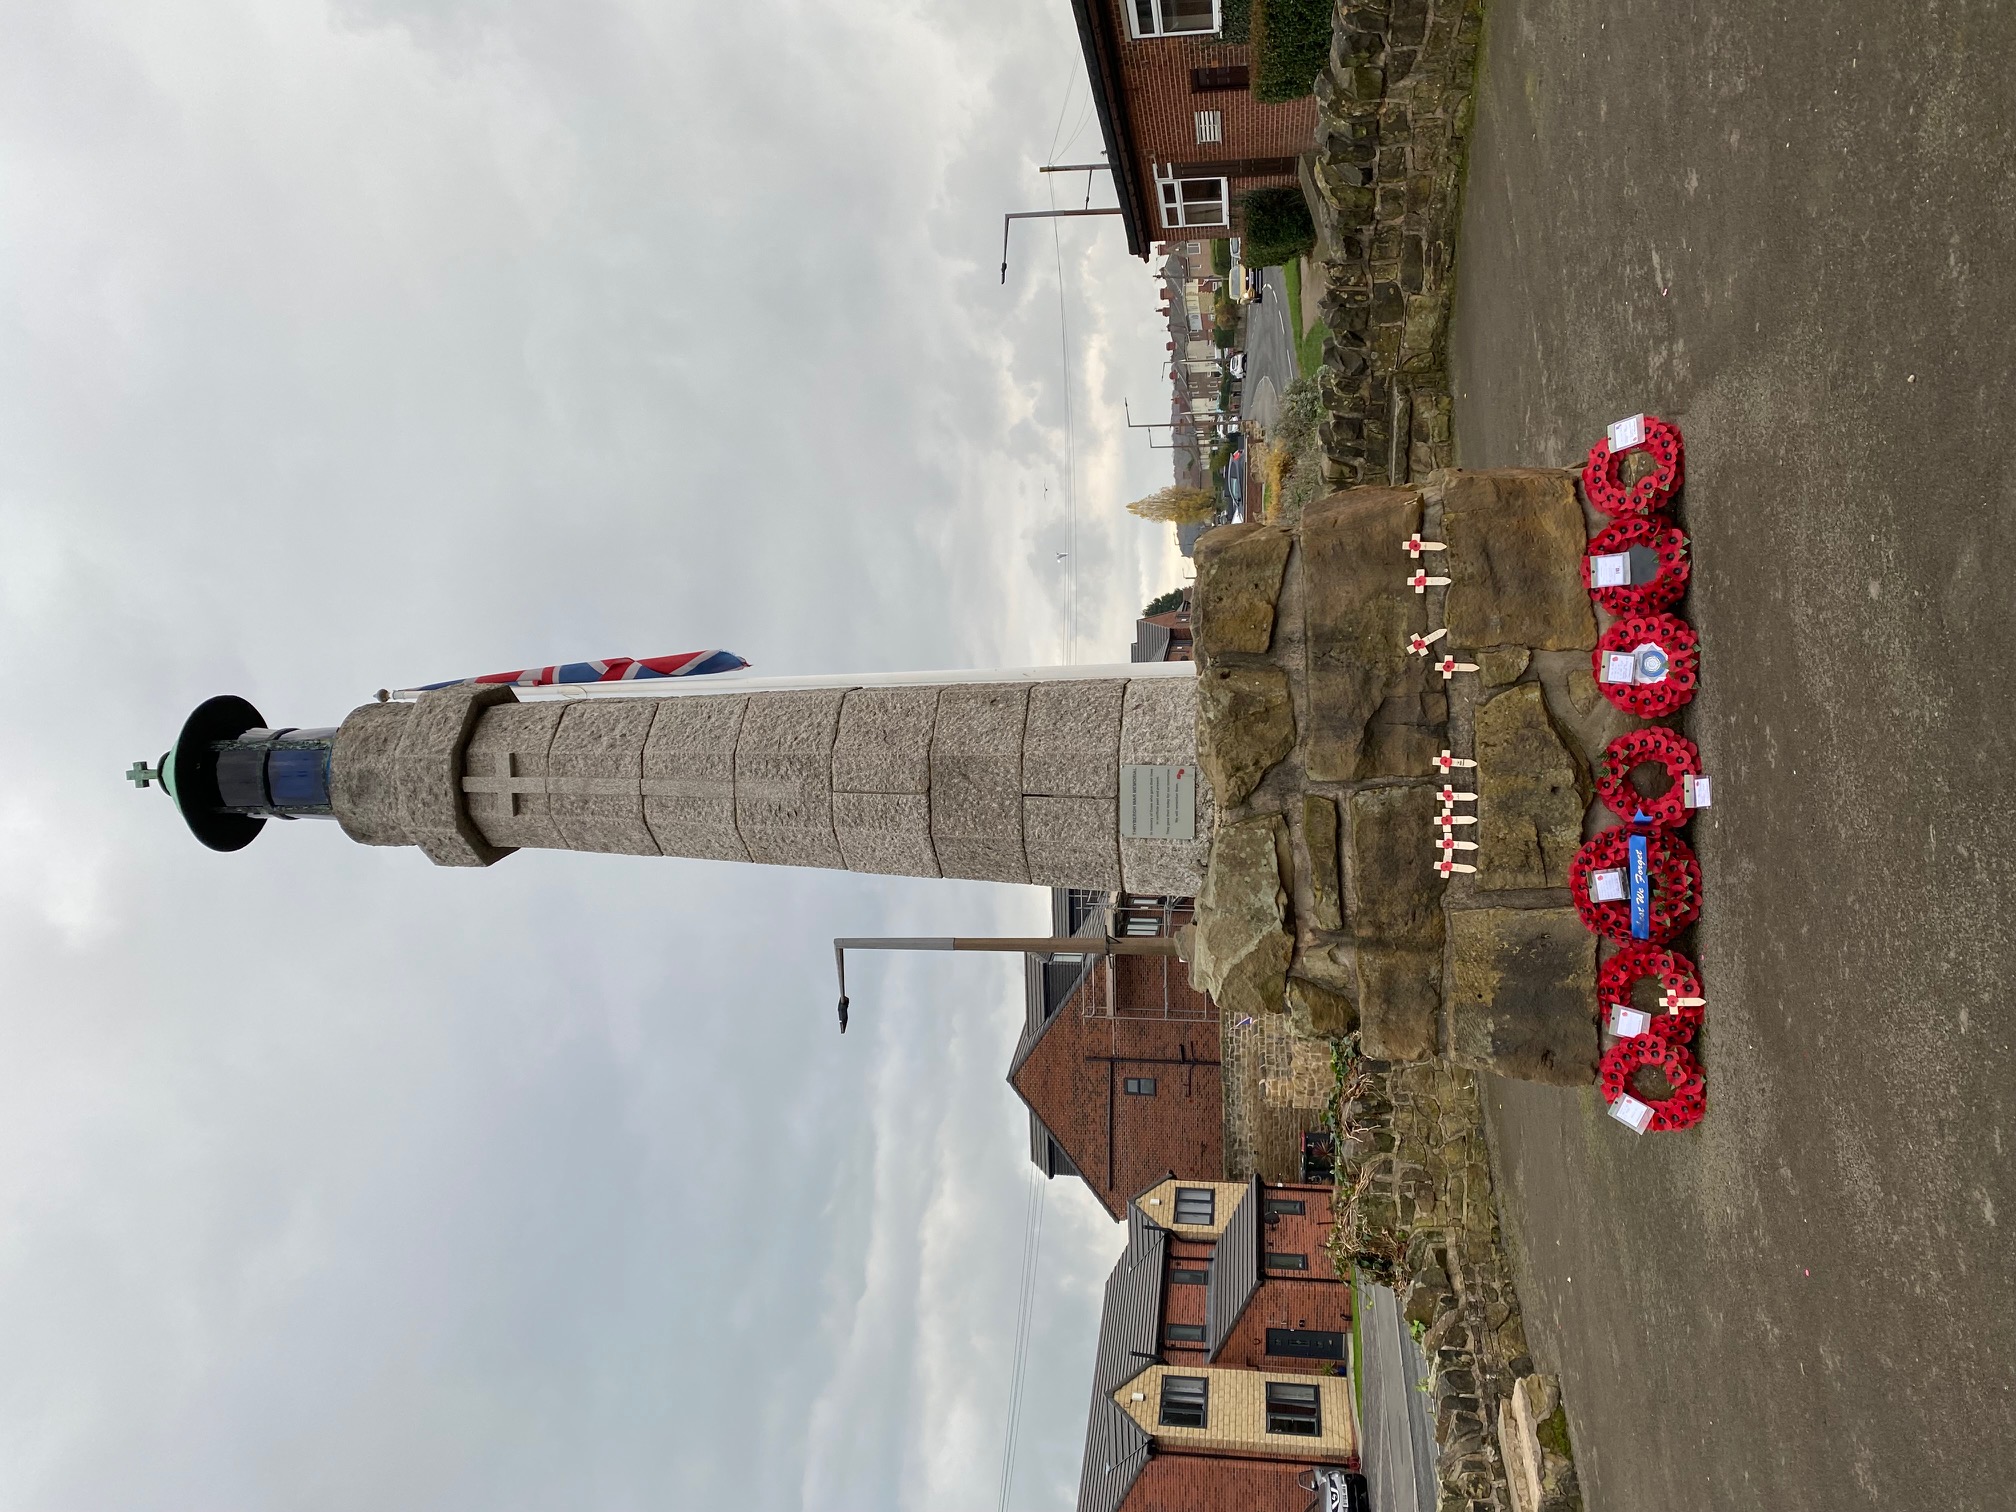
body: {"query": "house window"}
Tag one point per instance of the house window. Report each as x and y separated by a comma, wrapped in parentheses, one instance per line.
(1183, 1401)
(1140, 1086)
(1167, 18)
(1184, 1333)
(1306, 1343)
(1278, 1261)
(1218, 80)
(1189, 1277)
(1193, 249)
(1210, 125)
(1289, 1206)
(1196, 1207)
(1292, 1408)
(1193, 202)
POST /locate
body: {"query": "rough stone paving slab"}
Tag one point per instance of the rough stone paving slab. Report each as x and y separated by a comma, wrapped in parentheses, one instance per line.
(1522, 994)
(1532, 794)
(1357, 615)
(1515, 541)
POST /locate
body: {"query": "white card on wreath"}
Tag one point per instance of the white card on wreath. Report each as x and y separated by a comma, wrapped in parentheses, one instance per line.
(1626, 1023)
(1630, 1112)
(1612, 571)
(1627, 433)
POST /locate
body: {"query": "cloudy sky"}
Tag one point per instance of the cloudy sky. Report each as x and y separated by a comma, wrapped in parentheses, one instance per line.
(363, 342)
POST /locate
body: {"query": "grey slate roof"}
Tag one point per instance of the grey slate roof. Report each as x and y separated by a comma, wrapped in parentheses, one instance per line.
(1151, 642)
(1116, 1448)
(1235, 1269)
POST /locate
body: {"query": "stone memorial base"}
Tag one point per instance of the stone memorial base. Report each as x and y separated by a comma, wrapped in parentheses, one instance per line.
(1319, 732)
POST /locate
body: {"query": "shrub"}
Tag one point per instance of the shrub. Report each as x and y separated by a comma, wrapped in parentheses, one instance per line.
(1237, 16)
(1221, 257)
(1291, 43)
(1278, 227)
(1163, 603)
(1223, 337)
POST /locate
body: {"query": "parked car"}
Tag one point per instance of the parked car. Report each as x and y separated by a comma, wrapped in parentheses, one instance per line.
(1238, 365)
(1235, 484)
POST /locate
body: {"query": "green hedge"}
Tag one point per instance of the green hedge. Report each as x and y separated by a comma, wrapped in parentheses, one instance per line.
(1291, 43)
(1221, 257)
(1278, 228)
(1237, 16)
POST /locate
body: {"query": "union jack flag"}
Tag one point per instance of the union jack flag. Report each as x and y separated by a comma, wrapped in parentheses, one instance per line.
(616, 669)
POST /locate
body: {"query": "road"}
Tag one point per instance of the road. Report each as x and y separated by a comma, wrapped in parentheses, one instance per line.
(1399, 1448)
(1787, 228)
(1270, 350)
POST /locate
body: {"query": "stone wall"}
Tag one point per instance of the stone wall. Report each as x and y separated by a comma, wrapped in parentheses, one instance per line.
(1415, 1207)
(1385, 184)
(1319, 733)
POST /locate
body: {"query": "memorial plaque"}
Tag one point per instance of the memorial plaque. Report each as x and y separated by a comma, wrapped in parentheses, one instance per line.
(1158, 802)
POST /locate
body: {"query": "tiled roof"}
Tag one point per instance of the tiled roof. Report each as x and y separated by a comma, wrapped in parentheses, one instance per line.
(1235, 1269)
(1097, 37)
(1115, 1446)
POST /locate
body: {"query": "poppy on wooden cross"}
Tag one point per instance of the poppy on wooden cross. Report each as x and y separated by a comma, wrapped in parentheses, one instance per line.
(1417, 645)
(1420, 582)
(1446, 867)
(1414, 546)
(1445, 761)
(1449, 667)
(1446, 844)
(1449, 795)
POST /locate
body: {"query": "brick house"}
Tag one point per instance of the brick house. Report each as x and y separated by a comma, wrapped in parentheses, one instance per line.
(1118, 1057)
(1183, 133)
(1164, 637)
(1222, 1376)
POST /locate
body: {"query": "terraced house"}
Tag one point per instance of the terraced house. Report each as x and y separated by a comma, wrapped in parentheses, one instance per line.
(1223, 1374)
(1184, 134)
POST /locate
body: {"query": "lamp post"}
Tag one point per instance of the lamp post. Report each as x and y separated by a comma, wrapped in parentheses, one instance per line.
(1100, 945)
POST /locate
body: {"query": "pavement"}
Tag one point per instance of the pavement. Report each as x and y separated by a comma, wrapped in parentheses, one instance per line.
(1787, 228)
(1398, 1455)
(1270, 350)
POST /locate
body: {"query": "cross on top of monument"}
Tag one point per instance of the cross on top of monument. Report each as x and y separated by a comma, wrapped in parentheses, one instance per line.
(142, 775)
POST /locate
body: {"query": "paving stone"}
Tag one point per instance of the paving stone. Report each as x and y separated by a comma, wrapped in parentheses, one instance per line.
(1522, 994)
(1532, 792)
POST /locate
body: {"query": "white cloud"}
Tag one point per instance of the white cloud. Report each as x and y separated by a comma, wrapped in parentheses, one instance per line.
(363, 344)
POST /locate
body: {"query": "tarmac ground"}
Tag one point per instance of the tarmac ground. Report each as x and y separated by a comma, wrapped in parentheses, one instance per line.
(1788, 228)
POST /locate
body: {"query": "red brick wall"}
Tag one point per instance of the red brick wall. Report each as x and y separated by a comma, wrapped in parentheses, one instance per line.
(1285, 1304)
(1074, 1080)
(1184, 1304)
(1155, 73)
(1178, 1482)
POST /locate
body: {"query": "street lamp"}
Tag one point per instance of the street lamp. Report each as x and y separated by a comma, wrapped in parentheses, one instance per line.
(1098, 945)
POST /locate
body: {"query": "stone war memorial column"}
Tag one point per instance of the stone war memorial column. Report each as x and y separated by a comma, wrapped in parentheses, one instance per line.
(1059, 777)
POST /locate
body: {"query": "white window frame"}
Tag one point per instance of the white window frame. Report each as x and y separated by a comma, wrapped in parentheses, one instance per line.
(1134, 21)
(1171, 205)
(1210, 127)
